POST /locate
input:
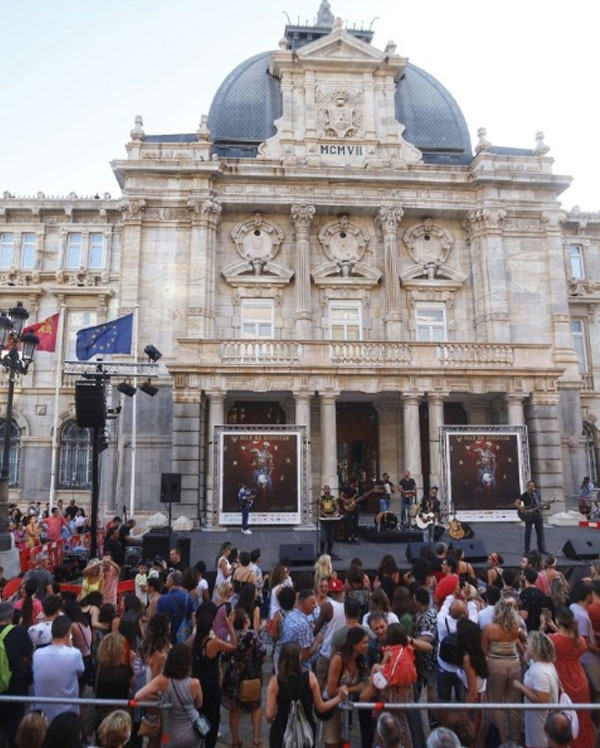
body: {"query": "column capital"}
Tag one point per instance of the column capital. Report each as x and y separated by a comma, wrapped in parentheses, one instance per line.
(515, 397)
(303, 394)
(388, 218)
(411, 398)
(215, 395)
(328, 395)
(302, 215)
(436, 397)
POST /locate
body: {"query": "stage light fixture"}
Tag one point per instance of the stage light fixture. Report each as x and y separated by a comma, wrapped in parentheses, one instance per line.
(152, 352)
(148, 388)
(126, 389)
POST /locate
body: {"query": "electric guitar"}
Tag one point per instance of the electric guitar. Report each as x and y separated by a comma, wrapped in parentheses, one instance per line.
(351, 503)
(528, 514)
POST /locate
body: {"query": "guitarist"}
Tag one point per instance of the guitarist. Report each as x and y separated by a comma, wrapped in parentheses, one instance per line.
(348, 495)
(531, 505)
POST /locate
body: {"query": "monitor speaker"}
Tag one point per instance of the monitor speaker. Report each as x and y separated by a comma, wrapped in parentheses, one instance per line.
(170, 488)
(297, 553)
(90, 404)
(474, 550)
(415, 550)
(580, 548)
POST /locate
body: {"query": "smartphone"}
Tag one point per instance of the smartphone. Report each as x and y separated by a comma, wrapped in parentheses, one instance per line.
(547, 613)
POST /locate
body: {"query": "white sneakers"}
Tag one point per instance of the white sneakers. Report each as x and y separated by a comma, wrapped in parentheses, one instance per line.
(247, 532)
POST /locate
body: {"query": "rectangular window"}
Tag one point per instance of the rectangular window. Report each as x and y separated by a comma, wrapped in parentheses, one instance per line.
(578, 335)
(431, 323)
(576, 261)
(7, 242)
(257, 318)
(96, 252)
(345, 320)
(74, 251)
(28, 251)
(77, 321)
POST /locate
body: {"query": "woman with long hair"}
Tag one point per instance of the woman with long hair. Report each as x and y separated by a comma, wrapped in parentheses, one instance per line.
(293, 682)
(558, 587)
(154, 649)
(473, 673)
(245, 664)
(183, 693)
(358, 587)
(323, 568)
(494, 571)
(380, 603)
(247, 600)
(388, 575)
(280, 577)
(28, 605)
(206, 650)
(242, 574)
(569, 647)
(82, 637)
(223, 566)
(92, 578)
(348, 668)
(130, 623)
(114, 676)
(403, 605)
(33, 532)
(189, 582)
(110, 579)
(501, 643)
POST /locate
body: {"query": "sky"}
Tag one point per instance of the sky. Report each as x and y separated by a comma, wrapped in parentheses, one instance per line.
(74, 74)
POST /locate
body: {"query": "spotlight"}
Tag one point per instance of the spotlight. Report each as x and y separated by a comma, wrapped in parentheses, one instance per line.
(148, 388)
(126, 389)
(152, 352)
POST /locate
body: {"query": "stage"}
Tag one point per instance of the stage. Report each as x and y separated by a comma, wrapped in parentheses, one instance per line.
(503, 538)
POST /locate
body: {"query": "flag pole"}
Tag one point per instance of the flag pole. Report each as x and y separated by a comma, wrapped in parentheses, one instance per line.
(57, 383)
(133, 416)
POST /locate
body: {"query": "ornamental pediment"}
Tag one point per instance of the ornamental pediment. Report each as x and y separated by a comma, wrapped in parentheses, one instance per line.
(340, 45)
(346, 273)
(343, 240)
(257, 272)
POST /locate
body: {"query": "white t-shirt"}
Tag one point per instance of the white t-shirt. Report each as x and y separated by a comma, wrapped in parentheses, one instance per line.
(540, 676)
(141, 580)
(55, 672)
(202, 585)
(274, 603)
(486, 616)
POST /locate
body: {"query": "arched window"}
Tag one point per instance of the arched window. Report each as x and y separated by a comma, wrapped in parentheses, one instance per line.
(590, 452)
(14, 461)
(75, 457)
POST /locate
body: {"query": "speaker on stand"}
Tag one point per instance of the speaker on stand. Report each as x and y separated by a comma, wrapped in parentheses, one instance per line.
(170, 493)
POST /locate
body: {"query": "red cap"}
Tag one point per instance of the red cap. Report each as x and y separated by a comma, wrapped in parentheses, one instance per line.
(335, 585)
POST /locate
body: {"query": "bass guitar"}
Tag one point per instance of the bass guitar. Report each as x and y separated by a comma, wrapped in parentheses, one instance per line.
(528, 514)
(351, 503)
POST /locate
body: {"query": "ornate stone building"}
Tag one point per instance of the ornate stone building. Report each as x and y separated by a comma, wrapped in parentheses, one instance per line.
(325, 250)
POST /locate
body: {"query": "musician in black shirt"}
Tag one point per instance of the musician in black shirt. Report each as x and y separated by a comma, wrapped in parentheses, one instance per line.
(531, 505)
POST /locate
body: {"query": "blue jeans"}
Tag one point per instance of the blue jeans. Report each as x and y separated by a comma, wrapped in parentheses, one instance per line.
(384, 504)
(538, 522)
(405, 511)
(245, 516)
(446, 681)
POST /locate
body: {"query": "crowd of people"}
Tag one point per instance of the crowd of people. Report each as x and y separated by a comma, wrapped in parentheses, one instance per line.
(257, 646)
(36, 526)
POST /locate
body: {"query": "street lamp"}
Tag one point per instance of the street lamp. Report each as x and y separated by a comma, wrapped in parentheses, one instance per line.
(17, 352)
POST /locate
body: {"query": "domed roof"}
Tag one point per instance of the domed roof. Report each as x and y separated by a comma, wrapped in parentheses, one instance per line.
(248, 102)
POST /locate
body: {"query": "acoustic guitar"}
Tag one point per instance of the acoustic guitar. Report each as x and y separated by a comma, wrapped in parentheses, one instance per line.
(425, 520)
(456, 530)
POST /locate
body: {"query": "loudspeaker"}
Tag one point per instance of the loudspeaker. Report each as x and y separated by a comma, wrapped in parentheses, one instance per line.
(170, 488)
(90, 404)
(579, 549)
(297, 554)
(474, 550)
(184, 548)
(372, 534)
(156, 544)
(413, 550)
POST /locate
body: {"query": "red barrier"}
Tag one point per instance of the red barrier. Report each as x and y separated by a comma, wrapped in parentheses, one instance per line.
(54, 550)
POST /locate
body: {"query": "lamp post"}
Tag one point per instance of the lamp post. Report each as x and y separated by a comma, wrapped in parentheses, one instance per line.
(15, 362)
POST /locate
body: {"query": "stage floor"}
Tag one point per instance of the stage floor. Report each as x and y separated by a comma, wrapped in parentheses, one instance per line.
(504, 538)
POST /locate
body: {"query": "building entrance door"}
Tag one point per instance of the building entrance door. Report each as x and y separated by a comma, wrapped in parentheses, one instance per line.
(357, 447)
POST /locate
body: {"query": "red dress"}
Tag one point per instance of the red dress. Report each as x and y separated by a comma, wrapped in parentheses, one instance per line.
(575, 683)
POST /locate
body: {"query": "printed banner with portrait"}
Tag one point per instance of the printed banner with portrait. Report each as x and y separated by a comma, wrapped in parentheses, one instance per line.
(485, 470)
(263, 467)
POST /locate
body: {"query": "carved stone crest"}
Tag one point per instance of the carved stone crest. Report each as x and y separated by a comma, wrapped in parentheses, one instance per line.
(428, 246)
(257, 239)
(343, 241)
(340, 113)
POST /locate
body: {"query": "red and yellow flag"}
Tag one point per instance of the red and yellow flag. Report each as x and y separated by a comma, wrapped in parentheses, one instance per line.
(46, 330)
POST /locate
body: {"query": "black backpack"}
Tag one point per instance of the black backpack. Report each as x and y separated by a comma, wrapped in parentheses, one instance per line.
(450, 652)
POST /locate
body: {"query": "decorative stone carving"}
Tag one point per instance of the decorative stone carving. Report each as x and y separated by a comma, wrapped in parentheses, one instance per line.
(14, 277)
(132, 208)
(428, 245)
(302, 215)
(138, 131)
(541, 149)
(483, 143)
(483, 220)
(344, 243)
(388, 218)
(82, 278)
(340, 112)
(257, 241)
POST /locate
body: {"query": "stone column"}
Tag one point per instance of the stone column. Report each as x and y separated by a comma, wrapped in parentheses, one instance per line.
(542, 418)
(205, 215)
(302, 401)
(514, 404)
(435, 403)
(185, 455)
(302, 216)
(490, 291)
(131, 249)
(388, 219)
(387, 417)
(412, 438)
(328, 441)
(216, 417)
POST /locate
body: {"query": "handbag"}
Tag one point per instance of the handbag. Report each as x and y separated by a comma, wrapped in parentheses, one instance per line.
(249, 690)
(150, 725)
(199, 722)
(565, 701)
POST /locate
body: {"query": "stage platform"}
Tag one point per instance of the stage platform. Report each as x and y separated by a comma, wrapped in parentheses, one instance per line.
(503, 538)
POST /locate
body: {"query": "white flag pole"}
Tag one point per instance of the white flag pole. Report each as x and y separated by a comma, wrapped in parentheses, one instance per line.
(133, 416)
(57, 383)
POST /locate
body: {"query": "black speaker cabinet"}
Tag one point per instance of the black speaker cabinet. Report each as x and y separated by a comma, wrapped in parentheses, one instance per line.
(578, 549)
(90, 404)
(297, 554)
(156, 544)
(414, 550)
(170, 488)
(475, 550)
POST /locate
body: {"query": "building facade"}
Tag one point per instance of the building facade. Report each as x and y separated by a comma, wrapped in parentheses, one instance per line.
(326, 250)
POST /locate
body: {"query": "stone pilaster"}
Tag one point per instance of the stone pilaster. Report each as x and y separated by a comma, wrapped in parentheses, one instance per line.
(388, 219)
(205, 217)
(387, 416)
(514, 406)
(490, 291)
(216, 417)
(302, 402)
(185, 456)
(328, 441)
(435, 404)
(132, 212)
(412, 438)
(542, 419)
(302, 216)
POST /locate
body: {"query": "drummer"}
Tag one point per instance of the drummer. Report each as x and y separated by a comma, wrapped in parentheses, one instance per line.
(329, 512)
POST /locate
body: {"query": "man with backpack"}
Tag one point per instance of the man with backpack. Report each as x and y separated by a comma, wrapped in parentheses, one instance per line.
(15, 656)
(178, 606)
(449, 655)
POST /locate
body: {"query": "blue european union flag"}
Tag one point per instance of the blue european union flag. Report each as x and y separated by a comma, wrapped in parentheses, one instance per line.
(111, 337)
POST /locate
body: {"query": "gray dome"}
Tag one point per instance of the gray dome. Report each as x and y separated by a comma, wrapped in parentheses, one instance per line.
(248, 102)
